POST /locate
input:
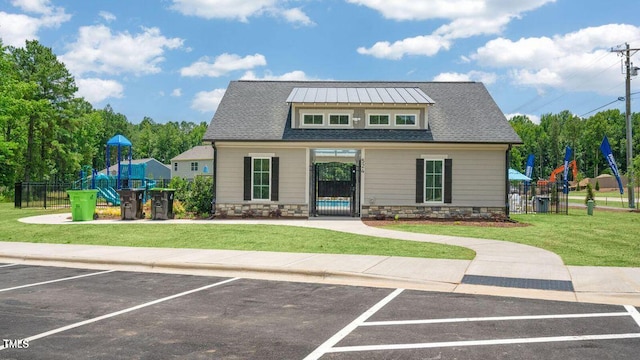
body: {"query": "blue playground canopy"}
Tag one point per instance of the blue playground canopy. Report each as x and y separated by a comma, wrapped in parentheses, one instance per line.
(119, 140)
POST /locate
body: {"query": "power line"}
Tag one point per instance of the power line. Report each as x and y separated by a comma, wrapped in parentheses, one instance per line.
(571, 75)
(621, 98)
(607, 104)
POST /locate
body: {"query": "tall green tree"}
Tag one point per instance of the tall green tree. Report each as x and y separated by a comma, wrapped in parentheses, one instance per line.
(56, 87)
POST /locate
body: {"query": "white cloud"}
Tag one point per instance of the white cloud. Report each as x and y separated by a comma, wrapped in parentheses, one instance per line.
(297, 16)
(467, 18)
(484, 77)
(207, 101)
(447, 9)
(534, 118)
(96, 90)
(99, 51)
(223, 64)
(176, 92)
(420, 45)
(577, 61)
(35, 6)
(296, 75)
(107, 16)
(16, 28)
(241, 10)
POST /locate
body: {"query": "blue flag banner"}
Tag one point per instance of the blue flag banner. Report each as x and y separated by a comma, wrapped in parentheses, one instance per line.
(567, 158)
(608, 154)
(529, 170)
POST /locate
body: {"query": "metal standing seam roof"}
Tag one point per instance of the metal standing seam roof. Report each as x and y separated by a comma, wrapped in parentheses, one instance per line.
(377, 95)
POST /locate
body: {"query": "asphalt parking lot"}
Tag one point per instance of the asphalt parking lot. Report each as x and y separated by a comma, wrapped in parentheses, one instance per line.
(66, 313)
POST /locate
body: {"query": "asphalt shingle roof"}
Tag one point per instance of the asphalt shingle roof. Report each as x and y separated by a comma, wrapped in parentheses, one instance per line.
(463, 112)
(200, 152)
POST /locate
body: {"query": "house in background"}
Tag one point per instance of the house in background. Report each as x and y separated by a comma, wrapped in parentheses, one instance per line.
(368, 149)
(154, 169)
(193, 162)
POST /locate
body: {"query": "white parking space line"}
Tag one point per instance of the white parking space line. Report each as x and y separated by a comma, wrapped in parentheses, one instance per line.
(633, 312)
(328, 345)
(137, 307)
(500, 318)
(57, 280)
(7, 265)
(483, 342)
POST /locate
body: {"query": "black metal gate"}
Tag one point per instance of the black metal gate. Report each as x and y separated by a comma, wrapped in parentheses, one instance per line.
(335, 189)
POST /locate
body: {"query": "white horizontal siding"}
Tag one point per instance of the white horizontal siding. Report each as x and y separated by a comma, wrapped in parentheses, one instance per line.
(478, 176)
(184, 168)
(292, 177)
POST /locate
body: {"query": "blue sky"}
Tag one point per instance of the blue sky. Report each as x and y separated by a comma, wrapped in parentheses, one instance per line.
(171, 60)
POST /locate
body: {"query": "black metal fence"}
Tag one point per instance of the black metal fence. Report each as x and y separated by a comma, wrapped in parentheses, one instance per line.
(335, 189)
(539, 198)
(53, 195)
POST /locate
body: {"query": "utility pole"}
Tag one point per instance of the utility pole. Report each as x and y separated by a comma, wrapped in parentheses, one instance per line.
(629, 70)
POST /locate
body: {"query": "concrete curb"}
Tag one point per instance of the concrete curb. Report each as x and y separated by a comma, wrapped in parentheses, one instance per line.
(245, 271)
(320, 277)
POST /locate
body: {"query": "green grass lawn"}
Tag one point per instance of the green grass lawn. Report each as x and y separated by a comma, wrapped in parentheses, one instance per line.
(605, 239)
(205, 236)
(610, 198)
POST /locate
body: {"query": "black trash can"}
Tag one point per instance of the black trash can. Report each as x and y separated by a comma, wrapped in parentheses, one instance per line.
(131, 203)
(162, 204)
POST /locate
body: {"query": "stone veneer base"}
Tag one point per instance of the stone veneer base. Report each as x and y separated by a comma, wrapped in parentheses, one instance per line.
(368, 211)
(262, 210)
(433, 212)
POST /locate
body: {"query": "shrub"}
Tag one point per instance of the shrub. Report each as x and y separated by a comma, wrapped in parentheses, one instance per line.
(590, 194)
(181, 186)
(178, 209)
(597, 185)
(200, 196)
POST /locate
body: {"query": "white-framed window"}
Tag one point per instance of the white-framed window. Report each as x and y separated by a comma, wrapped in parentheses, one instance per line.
(325, 118)
(405, 119)
(261, 178)
(312, 119)
(378, 119)
(339, 120)
(175, 166)
(194, 166)
(434, 180)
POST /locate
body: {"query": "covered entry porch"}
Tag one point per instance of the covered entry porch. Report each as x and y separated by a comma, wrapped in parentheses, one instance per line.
(334, 182)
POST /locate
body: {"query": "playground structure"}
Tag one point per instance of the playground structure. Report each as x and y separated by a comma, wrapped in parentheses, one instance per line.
(554, 174)
(124, 176)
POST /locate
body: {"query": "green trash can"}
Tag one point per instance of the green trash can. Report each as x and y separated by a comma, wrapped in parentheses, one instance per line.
(83, 204)
(162, 203)
(131, 203)
(590, 205)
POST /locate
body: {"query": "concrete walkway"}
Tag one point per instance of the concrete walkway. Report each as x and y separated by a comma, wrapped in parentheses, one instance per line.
(499, 268)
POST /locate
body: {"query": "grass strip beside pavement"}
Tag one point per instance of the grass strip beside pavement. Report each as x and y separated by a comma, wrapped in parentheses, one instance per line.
(608, 238)
(218, 236)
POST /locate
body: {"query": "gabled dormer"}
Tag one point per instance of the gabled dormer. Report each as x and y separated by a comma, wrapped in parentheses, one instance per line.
(395, 108)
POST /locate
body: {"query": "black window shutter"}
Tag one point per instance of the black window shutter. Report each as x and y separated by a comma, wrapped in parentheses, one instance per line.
(420, 181)
(275, 178)
(447, 180)
(247, 178)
